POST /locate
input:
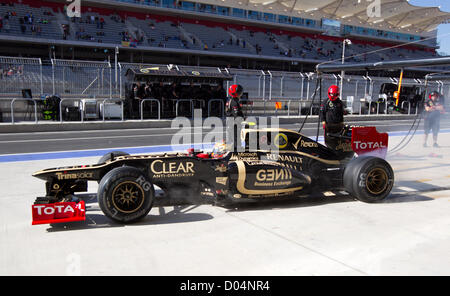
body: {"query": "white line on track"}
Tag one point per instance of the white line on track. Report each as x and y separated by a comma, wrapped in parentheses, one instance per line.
(175, 129)
(98, 138)
(124, 148)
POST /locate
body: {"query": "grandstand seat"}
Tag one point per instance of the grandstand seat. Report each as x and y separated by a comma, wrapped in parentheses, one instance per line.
(155, 31)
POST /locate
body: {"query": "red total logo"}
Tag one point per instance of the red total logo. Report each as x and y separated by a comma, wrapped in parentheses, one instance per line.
(58, 212)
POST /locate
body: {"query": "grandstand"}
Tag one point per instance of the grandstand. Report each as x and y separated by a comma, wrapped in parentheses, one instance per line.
(283, 35)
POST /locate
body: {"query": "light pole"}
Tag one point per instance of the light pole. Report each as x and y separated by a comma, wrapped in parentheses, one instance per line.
(344, 43)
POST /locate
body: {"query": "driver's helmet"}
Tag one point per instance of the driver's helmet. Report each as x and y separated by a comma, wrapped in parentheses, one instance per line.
(219, 150)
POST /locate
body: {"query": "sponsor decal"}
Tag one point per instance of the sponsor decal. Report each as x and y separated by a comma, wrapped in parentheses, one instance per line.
(284, 158)
(172, 169)
(265, 179)
(367, 140)
(221, 168)
(307, 144)
(244, 156)
(273, 177)
(222, 180)
(281, 141)
(254, 162)
(368, 145)
(344, 146)
(73, 176)
(58, 212)
(270, 195)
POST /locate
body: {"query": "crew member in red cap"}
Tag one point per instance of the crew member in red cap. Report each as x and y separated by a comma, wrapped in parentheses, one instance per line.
(234, 109)
(332, 114)
(233, 106)
(434, 107)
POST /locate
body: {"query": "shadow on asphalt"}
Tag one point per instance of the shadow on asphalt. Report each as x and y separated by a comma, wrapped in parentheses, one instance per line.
(180, 213)
(96, 220)
(399, 198)
(319, 201)
(300, 202)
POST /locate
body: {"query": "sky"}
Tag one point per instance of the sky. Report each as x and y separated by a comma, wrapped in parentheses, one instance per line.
(442, 29)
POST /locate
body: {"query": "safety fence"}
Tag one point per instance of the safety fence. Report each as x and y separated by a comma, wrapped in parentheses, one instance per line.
(56, 77)
(21, 73)
(93, 78)
(79, 77)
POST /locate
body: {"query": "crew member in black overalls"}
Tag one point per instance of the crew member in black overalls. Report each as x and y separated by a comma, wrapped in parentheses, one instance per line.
(332, 116)
(234, 109)
(433, 110)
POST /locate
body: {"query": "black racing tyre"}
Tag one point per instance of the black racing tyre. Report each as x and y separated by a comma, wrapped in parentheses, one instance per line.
(111, 155)
(369, 179)
(350, 172)
(125, 195)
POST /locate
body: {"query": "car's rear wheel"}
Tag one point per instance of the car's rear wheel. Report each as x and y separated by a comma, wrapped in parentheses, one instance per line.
(125, 195)
(369, 179)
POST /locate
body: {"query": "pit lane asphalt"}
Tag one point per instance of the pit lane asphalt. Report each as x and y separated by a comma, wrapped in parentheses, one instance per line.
(407, 234)
(36, 142)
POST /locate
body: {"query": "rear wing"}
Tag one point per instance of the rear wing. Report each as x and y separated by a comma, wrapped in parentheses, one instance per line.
(368, 141)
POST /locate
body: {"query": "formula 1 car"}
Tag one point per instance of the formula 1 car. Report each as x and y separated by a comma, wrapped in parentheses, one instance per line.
(298, 166)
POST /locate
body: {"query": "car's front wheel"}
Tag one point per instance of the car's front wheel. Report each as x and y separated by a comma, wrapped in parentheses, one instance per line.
(125, 195)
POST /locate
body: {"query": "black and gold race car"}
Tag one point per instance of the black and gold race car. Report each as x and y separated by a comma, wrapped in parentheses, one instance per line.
(285, 163)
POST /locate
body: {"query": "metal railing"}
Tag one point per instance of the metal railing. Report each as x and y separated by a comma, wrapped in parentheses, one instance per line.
(23, 99)
(150, 100)
(409, 107)
(221, 105)
(184, 100)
